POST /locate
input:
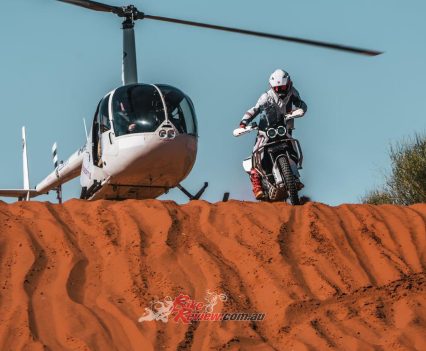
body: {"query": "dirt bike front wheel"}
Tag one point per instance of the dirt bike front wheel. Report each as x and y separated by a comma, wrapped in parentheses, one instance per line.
(290, 181)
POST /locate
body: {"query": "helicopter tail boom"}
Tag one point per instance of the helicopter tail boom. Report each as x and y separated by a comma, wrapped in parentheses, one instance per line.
(63, 173)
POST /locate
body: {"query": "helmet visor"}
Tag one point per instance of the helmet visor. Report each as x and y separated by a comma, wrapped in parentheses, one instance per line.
(282, 89)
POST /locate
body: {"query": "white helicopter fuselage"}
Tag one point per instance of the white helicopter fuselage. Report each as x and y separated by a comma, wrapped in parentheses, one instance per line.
(143, 142)
(139, 165)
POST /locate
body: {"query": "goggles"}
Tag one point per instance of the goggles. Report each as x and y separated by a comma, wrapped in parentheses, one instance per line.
(282, 89)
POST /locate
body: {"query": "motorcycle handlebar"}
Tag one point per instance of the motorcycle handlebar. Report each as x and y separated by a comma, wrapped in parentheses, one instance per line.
(253, 126)
(241, 131)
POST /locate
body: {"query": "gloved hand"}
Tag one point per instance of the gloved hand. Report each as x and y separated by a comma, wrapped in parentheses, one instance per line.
(243, 125)
(295, 114)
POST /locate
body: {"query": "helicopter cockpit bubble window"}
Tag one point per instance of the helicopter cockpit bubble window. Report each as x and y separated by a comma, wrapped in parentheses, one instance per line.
(137, 109)
(180, 109)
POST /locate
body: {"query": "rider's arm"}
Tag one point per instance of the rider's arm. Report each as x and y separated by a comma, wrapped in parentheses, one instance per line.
(299, 104)
(254, 111)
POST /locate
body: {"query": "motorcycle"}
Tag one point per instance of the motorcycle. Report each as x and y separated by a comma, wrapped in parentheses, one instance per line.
(277, 157)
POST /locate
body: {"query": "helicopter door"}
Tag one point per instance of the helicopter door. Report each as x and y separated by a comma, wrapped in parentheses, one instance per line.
(101, 127)
(96, 151)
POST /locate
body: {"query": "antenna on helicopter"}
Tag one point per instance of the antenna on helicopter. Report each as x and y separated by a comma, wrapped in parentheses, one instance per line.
(85, 130)
(130, 14)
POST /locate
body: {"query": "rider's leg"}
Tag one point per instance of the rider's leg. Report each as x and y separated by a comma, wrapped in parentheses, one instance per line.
(256, 183)
(255, 176)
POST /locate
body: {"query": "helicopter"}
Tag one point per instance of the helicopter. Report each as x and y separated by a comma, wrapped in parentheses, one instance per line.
(143, 138)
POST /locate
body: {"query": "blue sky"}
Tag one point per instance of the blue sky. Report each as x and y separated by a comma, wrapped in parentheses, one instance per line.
(58, 60)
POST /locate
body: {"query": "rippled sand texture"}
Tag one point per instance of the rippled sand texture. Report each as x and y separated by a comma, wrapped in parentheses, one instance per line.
(78, 276)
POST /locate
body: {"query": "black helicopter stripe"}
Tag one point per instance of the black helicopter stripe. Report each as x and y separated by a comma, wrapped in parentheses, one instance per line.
(55, 159)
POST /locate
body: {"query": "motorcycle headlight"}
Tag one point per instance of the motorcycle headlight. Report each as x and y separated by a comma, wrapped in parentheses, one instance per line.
(281, 130)
(162, 133)
(271, 133)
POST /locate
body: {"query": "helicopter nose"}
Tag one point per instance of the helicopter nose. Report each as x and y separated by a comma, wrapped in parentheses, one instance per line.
(162, 159)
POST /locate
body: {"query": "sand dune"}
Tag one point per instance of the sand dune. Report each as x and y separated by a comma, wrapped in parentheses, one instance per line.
(80, 275)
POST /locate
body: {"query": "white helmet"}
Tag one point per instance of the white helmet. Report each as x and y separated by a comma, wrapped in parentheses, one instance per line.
(280, 81)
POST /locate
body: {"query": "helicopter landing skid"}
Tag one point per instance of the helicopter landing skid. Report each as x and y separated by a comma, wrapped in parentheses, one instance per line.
(197, 195)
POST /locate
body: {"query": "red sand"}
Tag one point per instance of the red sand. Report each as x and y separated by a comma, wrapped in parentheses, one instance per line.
(78, 276)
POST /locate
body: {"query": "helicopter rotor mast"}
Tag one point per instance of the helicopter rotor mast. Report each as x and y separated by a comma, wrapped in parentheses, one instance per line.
(130, 68)
(130, 14)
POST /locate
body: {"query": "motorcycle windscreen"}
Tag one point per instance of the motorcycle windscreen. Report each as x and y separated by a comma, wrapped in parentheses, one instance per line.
(137, 108)
(180, 109)
(270, 117)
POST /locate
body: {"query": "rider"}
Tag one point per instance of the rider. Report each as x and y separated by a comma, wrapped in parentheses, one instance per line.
(282, 96)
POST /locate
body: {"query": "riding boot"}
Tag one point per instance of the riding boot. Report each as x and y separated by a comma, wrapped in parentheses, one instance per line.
(256, 183)
(299, 184)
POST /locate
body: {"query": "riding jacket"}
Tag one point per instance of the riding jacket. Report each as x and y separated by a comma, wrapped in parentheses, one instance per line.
(273, 104)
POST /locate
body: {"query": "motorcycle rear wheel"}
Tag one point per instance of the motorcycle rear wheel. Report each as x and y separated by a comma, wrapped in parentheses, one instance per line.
(290, 181)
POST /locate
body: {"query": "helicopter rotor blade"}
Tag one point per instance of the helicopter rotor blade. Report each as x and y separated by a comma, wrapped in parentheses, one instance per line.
(322, 44)
(93, 5)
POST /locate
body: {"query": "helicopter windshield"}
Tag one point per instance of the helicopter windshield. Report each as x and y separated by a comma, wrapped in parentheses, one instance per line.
(180, 109)
(137, 109)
